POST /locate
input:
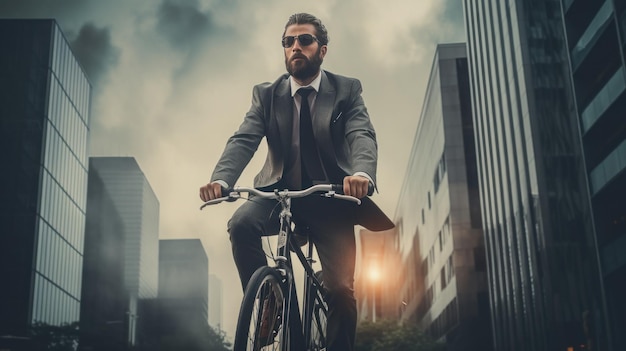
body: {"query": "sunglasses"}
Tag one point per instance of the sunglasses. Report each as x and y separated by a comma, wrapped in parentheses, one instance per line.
(303, 39)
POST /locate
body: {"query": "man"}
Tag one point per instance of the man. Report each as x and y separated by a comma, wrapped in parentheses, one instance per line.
(318, 131)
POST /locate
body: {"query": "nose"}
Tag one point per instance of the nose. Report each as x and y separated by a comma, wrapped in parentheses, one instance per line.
(296, 45)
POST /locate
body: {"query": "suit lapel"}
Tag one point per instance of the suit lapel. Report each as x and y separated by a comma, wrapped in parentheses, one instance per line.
(283, 109)
(323, 114)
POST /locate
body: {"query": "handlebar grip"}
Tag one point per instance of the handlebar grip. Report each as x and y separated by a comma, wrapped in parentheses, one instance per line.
(338, 188)
(226, 191)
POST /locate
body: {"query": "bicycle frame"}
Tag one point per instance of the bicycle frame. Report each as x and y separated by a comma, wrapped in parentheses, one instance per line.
(285, 266)
(283, 262)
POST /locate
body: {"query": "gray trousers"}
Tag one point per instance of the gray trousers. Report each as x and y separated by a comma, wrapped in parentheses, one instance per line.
(331, 225)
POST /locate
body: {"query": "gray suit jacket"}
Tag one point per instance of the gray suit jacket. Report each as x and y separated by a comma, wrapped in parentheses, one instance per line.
(342, 129)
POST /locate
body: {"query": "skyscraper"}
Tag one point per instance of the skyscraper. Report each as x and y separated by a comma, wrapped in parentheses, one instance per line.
(544, 282)
(439, 217)
(595, 33)
(103, 317)
(138, 208)
(44, 127)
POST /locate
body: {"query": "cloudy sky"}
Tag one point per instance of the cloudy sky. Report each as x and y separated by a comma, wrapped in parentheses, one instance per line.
(172, 80)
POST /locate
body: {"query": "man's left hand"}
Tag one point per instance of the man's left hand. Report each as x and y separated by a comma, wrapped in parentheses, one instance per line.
(356, 186)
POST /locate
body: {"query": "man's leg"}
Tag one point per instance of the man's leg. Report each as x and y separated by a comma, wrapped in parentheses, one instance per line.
(252, 220)
(332, 231)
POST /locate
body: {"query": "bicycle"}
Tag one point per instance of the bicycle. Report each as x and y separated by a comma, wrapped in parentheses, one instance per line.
(271, 297)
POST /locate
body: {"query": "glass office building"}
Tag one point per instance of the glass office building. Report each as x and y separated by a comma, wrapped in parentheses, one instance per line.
(544, 282)
(138, 208)
(44, 116)
(104, 301)
(596, 43)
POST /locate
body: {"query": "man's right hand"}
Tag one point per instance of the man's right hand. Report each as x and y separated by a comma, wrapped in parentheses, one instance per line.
(210, 191)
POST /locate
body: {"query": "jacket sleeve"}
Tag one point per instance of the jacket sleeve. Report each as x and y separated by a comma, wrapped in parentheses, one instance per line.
(242, 145)
(360, 134)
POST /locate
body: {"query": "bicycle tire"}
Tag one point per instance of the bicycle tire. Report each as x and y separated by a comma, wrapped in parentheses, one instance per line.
(265, 285)
(319, 317)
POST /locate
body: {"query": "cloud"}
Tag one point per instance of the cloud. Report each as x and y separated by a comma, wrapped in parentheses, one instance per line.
(38, 8)
(94, 51)
(182, 23)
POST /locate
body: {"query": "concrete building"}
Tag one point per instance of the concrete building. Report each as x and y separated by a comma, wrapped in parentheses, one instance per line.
(444, 284)
(44, 128)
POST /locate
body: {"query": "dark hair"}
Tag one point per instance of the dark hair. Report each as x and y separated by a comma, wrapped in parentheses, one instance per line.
(305, 18)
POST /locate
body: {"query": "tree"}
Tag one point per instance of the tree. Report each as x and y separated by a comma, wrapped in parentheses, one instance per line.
(54, 338)
(206, 339)
(391, 336)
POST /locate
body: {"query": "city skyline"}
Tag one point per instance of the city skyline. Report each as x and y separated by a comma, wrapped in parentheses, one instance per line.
(171, 79)
(169, 89)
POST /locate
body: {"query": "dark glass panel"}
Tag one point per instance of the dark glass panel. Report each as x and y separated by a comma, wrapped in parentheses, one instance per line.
(578, 17)
(597, 67)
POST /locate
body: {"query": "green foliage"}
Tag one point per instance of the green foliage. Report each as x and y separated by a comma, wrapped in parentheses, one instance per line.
(208, 339)
(390, 336)
(47, 337)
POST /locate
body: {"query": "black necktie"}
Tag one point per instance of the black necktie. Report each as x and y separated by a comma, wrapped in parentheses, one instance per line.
(310, 160)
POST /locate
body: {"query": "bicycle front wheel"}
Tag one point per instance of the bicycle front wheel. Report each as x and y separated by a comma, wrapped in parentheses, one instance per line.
(260, 323)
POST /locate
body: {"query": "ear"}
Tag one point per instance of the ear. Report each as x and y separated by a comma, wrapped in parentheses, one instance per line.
(323, 50)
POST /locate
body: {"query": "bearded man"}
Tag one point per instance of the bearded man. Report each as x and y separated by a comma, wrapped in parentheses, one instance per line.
(334, 143)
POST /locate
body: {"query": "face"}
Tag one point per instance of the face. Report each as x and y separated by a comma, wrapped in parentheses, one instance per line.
(303, 62)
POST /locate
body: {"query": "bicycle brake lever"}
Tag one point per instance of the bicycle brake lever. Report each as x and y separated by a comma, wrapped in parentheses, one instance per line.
(342, 197)
(233, 196)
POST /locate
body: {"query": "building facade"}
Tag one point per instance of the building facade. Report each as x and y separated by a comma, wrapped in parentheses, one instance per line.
(595, 34)
(103, 321)
(179, 315)
(438, 214)
(138, 207)
(184, 273)
(542, 263)
(44, 116)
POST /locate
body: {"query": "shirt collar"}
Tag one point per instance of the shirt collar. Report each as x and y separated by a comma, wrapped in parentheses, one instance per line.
(315, 84)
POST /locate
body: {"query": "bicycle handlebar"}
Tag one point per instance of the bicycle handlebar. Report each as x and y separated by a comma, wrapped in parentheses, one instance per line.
(327, 190)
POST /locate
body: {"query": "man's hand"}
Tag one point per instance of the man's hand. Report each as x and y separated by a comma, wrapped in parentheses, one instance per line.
(210, 191)
(356, 186)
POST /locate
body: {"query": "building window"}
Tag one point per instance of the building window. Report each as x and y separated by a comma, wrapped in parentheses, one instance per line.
(444, 280)
(439, 172)
(440, 241)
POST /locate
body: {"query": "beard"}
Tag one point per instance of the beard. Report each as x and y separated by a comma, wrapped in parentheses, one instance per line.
(306, 68)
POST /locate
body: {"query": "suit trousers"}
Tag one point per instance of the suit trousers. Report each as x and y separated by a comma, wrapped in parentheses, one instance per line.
(331, 225)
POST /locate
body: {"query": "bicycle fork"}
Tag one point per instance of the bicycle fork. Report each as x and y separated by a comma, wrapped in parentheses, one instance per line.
(292, 323)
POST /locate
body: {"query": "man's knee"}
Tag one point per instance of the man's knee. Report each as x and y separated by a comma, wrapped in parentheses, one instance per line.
(242, 226)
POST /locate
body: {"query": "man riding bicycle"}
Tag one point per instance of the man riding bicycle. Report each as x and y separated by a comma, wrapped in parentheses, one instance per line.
(318, 131)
